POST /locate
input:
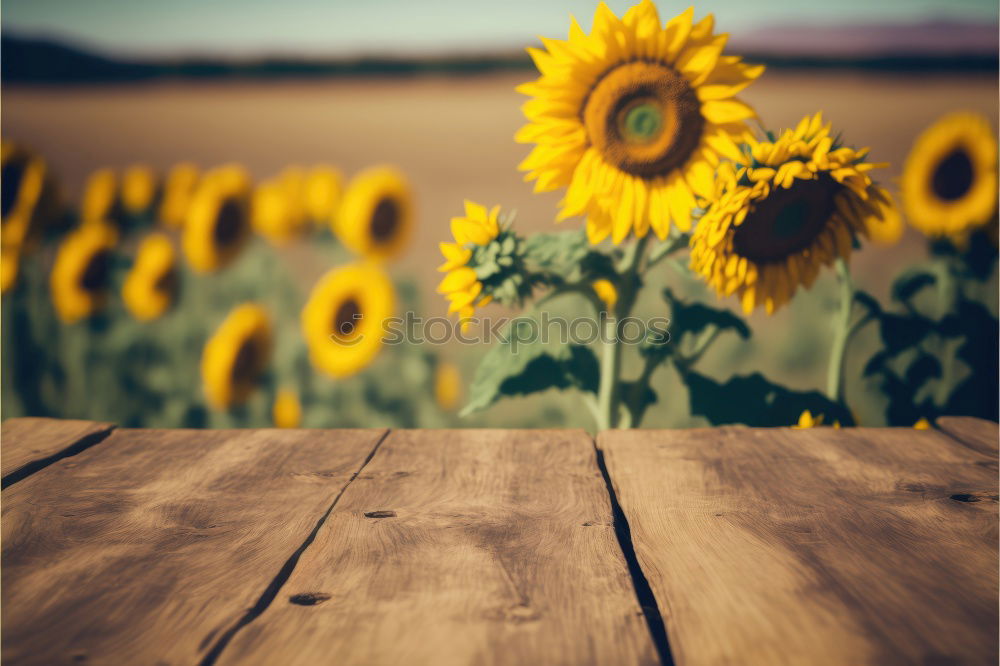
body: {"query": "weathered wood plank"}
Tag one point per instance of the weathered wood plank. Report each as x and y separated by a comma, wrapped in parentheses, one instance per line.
(461, 547)
(146, 549)
(822, 546)
(30, 444)
(978, 434)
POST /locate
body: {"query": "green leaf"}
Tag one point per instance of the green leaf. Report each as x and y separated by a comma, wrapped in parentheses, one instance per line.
(876, 364)
(693, 318)
(756, 401)
(520, 363)
(980, 258)
(922, 369)
(567, 254)
(910, 282)
(868, 301)
(977, 394)
(901, 332)
(580, 370)
(637, 399)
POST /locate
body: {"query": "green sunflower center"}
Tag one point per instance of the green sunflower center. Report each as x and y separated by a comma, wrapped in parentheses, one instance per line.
(95, 275)
(642, 123)
(953, 176)
(345, 320)
(787, 221)
(229, 224)
(644, 118)
(10, 186)
(385, 220)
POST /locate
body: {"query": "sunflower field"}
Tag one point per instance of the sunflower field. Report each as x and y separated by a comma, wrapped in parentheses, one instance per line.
(640, 125)
(178, 299)
(164, 301)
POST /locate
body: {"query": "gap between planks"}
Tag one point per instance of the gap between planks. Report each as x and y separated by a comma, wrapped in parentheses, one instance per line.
(84, 442)
(641, 588)
(643, 591)
(271, 591)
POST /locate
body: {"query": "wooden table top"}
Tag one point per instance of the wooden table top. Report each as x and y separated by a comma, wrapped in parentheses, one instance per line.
(713, 546)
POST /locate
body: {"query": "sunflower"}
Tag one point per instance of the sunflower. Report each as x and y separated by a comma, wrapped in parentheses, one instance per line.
(287, 411)
(633, 118)
(795, 204)
(151, 286)
(482, 260)
(342, 320)
(949, 182)
(218, 224)
(80, 274)
(376, 215)
(276, 212)
(321, 193)
(807, 420)
(447, 385)
(178, 188)
(605, 290)
(140, 189)
(236, 355)
(101, 197)
(28, 194)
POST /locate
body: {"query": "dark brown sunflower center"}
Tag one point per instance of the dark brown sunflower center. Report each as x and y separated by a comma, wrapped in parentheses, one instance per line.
(346, 320)
(245, 365)
(95, 275)
(953, 176)
(229, 223)
(385, 220)
(644, 118)
(10, 186)
(787, 221)
(168, 282)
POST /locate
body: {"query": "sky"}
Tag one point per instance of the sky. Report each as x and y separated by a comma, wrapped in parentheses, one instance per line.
(335, 27)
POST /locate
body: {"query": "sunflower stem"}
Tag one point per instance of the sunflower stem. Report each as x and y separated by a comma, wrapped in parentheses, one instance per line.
(610, 362)
(842, 331)
(946, 296)
(667, 248)
(608, 392)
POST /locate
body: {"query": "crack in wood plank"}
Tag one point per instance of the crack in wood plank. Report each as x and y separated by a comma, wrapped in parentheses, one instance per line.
(489, 560)
(272, 590)
(643, 592)
(32, 444)
(779, 546)
(131, 551)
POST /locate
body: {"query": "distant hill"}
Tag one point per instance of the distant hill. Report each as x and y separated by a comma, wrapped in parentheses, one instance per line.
(32, 60)
(950, 39)
(47, 61)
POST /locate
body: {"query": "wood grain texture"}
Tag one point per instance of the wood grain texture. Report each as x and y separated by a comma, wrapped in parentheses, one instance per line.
(978, 434)
(461, 547)
(30, 443)
(822, 546)
(145, 549)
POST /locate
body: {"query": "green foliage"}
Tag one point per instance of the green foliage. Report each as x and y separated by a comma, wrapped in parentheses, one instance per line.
(147, 374)
(693, 318)
(499, 266)
(567, 257)
(754, 400)
(938, 355)
(522, 363)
